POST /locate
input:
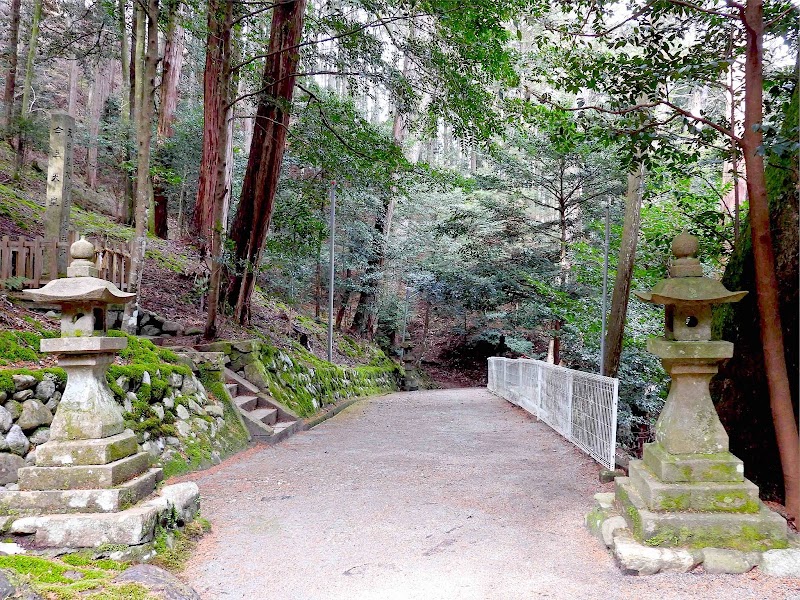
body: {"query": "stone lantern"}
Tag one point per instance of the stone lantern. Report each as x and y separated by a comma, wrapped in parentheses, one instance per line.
(689, 490)
(90, 475)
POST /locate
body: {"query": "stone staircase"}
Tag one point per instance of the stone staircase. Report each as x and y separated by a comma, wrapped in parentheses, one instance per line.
(267, 421)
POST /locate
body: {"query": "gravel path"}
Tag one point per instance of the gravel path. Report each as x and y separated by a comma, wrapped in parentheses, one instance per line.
(451, 494)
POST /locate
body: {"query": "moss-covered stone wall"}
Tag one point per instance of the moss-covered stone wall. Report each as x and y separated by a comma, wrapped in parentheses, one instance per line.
(301, 381)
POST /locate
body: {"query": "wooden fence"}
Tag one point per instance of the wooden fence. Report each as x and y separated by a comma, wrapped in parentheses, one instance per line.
(31, 261)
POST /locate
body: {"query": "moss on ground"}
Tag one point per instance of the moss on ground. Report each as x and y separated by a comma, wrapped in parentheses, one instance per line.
(77, 575)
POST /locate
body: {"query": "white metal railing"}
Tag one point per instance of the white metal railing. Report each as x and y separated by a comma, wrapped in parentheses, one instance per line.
(580, 406)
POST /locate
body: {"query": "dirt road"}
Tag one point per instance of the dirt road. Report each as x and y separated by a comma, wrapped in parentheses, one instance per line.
(451, 494)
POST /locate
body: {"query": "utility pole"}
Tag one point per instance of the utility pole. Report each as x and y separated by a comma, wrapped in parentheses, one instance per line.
(605, 288)
(332, 274)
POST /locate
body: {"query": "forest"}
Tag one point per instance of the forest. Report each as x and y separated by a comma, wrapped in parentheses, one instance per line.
(505, 173)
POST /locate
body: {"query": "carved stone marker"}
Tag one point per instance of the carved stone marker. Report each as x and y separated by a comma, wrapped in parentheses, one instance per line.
(59, 184)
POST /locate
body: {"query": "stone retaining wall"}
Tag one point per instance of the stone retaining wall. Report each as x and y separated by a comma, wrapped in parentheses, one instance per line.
(177, 421)
(300, 380)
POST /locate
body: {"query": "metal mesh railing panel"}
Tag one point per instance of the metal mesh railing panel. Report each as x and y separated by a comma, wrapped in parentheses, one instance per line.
(580, 406)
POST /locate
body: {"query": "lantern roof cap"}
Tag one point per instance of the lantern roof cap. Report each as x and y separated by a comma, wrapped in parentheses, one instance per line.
(687, 284)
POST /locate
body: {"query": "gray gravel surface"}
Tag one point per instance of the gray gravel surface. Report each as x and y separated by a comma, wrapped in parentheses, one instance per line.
(431, 495)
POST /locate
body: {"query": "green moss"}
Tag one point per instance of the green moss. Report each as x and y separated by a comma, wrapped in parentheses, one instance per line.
(172, 262)
(675, 503)
(746, 539)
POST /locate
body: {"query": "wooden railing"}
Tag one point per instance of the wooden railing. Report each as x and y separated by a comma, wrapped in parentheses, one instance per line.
(31, 261)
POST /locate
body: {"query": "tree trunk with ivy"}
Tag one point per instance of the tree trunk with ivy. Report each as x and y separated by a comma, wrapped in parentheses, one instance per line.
(248, 230)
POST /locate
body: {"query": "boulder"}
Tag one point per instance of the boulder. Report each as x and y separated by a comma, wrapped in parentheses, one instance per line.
(158, 582)
(158, 409)
(7, 589)
(6, 421)
(14, 408)
(215, 410)
(189, 386)
(175, 380)
(171, 327)
(23, 395)
(45, 389)
(150, 330)
(23, 382)
(9, 463)
(781, 563)
(17, 442)
(193, 330)
(40, 436)
(196, 408)
(182, 413)
(124, 383)
(127, 403)
(146, 378)
(610, 526)
(34, 414)
(184, 429)
(53, 403)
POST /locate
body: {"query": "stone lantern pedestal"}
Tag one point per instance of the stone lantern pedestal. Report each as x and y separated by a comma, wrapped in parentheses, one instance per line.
(689, 490)
(89, 477)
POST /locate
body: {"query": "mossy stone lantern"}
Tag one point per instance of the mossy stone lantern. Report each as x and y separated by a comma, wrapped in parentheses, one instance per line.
(688, 489)
(689, 422)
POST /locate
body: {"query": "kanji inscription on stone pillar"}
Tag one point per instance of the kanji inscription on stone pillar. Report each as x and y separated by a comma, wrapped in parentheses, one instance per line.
(59, 182)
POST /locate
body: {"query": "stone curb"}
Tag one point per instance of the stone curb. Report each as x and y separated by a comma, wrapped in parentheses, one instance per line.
(324, 415)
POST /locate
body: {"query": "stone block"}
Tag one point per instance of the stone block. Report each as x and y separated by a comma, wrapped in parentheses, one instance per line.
(257, 375)
(81, 345)
(131, 527)
(84, 477)
(781, 563)
(674, 468)
(86, 452)
(759, 531)
(246, 346)
(647, 560)
(224, 347)
(699, 496)
(81, 501)
(718, 561)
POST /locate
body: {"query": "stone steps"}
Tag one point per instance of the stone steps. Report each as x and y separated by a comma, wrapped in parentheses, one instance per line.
(266, 421)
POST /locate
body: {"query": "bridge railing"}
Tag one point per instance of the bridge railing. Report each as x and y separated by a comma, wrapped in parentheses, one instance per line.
(580, 406)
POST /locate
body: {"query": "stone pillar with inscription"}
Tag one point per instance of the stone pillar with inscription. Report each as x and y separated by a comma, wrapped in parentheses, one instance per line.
(59, 182)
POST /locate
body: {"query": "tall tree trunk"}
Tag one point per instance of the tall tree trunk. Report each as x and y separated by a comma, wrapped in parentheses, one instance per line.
(764, 261)
(72, 95)
(214, 111)
(220, 22)
(27, 85)
(98, 94)
(147, 61)
(249, 228)
(125, 210)
(170, 77)
(622, 283)
(171, 72)
(12, 57)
